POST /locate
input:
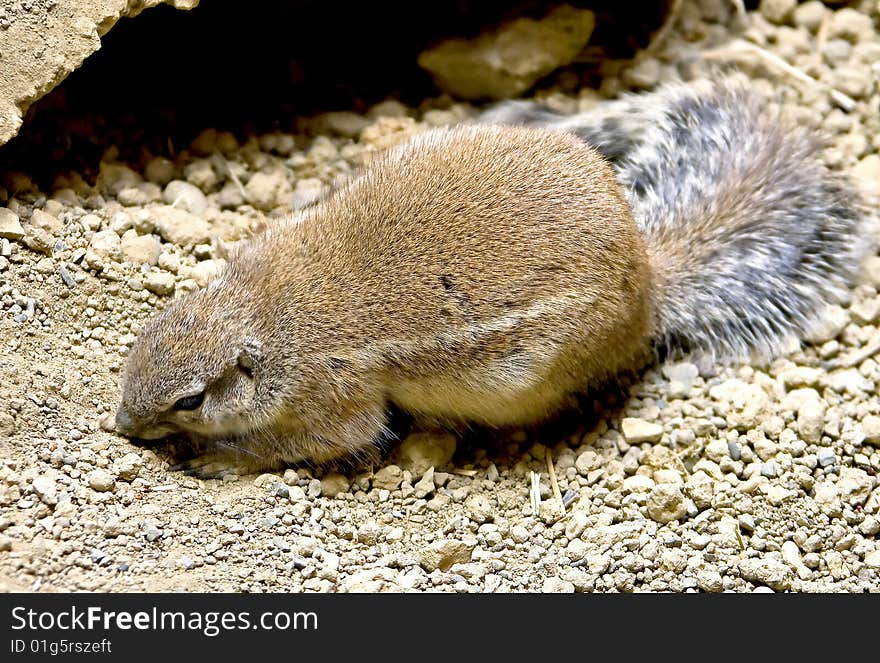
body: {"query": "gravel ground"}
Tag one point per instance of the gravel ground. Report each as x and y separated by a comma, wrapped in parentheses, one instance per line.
(701, 478)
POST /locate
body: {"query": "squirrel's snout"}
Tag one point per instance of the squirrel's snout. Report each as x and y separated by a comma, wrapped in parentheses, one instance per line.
(124, 422)
(128, 426)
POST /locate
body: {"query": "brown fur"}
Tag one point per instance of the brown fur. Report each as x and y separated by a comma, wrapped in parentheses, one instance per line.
(474, 274)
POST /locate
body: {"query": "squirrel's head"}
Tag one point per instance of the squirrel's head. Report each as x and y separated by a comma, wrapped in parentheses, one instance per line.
(195, 368)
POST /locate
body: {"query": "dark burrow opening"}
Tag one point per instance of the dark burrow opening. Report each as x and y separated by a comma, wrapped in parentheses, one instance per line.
(160, 79)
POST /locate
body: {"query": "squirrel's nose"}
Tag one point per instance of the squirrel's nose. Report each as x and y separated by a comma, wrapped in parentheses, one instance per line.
(124, 422)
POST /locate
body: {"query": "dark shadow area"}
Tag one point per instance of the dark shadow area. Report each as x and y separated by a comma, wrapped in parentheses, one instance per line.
(253, 67)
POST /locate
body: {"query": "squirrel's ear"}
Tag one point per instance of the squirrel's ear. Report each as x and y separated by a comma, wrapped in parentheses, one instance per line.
(250, 352)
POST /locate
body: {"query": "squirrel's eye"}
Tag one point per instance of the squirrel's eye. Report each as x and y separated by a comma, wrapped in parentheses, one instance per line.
(247, 370)
(189, 402)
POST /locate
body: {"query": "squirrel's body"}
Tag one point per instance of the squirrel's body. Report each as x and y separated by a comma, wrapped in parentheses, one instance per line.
(486, 273)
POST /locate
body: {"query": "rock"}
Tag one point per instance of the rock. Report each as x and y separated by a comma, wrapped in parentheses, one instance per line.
(636, 431)
(43, 56)
(368, 533)
(420, 451)
(865, 311)
(370, 581)
(681, 378)
(825, 493)
(849, 381)
(871, 429)
(777, 11)
(809, 14)
(226, 142)
(587, 462)
(866, 175)
(160, 283)
(551, 511)
(388, 108)
(269, 479)
(718, 450)
(169, 260)
(734, 449)
(201, 173)
(206, 271)
(667, 476)
(853, 81)
(769, 470)
(97, 555)
(47, 222)
(230, 196)
(851, 24)
(660, 457)
(744, 405)
(389, 477)
(764, 448)
(811, 420)
(142, 193)
(645, 74)
(266, 191)
(766, 571)
(152, 533)
(39, 240)
(439, 118)
(444, 553)
(778, 495)
(837, 51)
(205, 143)
(334, 484)
(637, 483)
(180, 227)
(114, 177)
(836, 564)
(554, 585)
(855, 485)
(831, 322)
(7, 425)
(872, 560)
(140, 249)
(425, 486)
(826, 457)
(710, 580)
(184, 195)
(307, 191)
(479, 509)
(160, 170)
(507, 62)
(666, 503)
(801, 376)
(106, 244)
(128, 467)
(101, 481)
(121, 222)
(792, 556)
(344, 123)
(45, 489)
(10, 226)
(701, 489)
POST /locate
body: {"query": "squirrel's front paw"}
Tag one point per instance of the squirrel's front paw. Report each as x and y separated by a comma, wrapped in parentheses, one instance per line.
(214, 466)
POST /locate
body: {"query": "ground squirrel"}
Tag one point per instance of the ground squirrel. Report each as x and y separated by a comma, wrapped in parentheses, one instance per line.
(485, 273)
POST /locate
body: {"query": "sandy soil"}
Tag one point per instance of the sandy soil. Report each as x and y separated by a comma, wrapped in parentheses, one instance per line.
(700, 478)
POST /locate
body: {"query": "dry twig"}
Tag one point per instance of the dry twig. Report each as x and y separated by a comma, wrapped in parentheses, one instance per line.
(554, 484)
(741, 47)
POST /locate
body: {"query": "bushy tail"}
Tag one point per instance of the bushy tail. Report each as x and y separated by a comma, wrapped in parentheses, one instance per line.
(750, 236)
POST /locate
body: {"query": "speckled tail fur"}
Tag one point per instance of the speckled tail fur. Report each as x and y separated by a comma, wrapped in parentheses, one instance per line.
(749, 234)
